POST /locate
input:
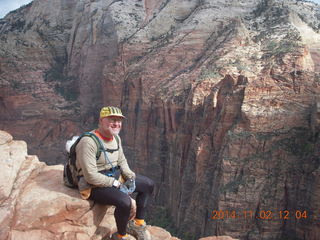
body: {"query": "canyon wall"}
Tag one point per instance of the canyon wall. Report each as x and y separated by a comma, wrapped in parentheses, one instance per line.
(221, 99)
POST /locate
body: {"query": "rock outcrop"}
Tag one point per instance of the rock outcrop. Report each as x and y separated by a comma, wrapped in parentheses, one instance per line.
(35, 204)
(220, 96)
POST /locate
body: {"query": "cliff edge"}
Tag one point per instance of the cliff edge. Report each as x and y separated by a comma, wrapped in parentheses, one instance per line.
(35, 204)
(221, 100)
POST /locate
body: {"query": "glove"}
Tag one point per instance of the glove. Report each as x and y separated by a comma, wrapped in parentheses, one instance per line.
(123, 188)
(131, 185)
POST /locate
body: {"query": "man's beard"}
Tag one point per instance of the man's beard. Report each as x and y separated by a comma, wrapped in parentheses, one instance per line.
(114, 131)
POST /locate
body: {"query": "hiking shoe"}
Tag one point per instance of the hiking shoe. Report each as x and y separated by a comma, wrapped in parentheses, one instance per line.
(116, 237)
(139, 232)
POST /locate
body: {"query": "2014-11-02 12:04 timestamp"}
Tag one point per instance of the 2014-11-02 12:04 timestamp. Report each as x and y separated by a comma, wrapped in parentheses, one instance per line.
(263, 214)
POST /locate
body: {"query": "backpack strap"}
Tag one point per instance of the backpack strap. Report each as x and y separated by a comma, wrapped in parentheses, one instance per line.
(101, 147)
(117, 139)
(114, 150)
(96, 140)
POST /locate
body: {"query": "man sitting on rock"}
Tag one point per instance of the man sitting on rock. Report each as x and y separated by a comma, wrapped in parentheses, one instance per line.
(108, 180)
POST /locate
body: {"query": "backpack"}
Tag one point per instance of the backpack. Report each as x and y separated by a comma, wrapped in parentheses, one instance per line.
(70, 171)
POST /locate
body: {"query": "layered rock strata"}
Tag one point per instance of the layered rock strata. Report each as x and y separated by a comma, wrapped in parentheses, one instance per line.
(220, 99)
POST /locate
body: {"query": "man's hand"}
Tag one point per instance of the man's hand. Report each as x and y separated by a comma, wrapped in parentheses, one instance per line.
(131, 185)
(116, 183)
(128, 187)
(123, 188)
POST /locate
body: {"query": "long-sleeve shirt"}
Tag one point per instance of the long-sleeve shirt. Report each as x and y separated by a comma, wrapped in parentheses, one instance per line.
(89, 166)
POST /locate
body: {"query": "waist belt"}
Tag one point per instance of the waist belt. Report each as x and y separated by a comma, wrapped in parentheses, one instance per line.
(116, 173)
(112, 173)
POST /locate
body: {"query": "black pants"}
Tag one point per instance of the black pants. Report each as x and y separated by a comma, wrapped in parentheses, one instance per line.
(122, 202)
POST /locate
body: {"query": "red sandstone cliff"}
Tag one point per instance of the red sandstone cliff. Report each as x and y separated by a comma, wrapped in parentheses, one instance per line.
(220, 98)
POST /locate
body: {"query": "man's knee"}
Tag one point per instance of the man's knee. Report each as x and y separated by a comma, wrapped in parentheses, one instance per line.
(150, 185)
(124, 204)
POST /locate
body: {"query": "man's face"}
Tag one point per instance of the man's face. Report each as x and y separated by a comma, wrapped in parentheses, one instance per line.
(111, 125)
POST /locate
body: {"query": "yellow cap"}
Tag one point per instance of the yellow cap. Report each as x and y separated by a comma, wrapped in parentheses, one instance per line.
(110, 111)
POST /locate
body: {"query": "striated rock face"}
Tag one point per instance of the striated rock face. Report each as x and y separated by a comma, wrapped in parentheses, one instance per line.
(221, 99)
(34, 203)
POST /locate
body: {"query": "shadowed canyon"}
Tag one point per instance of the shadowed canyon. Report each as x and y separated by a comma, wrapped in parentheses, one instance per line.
(221, 100)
